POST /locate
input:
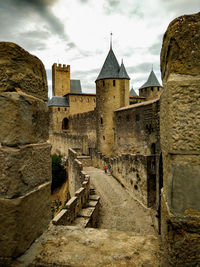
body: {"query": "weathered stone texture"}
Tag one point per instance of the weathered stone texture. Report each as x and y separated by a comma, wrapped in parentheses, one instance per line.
(180, 136)
(24, 119)
(23, 219)
(181, 45)
(19, 69)
(24, 168)
(181, 115)
(136, 128)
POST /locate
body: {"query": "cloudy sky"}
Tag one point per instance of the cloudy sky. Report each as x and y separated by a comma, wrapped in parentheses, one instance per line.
(77, 33)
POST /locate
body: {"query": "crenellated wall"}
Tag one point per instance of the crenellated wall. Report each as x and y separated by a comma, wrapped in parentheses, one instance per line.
(25, 162)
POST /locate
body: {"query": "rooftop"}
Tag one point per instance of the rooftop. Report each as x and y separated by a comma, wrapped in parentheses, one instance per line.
(111, 68)
(75, 86)
(58, 101)
(151, 82)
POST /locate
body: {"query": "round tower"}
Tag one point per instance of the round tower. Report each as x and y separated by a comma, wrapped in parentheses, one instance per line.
(112, 92)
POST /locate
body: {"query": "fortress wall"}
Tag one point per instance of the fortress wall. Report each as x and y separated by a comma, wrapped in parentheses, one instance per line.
(61, 142)
(137, 128)
(84, 124)
(80, 103)
(57, 114)
(25, 163)
(180, 136)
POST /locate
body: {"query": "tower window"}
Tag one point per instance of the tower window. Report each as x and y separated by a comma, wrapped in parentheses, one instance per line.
(104, 138)
(158, 88)
(114, 82)
(103, 83)
(152, 89)
(58, 109)
(101, 121)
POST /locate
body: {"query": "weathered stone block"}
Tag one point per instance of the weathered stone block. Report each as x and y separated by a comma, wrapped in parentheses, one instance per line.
(19, 69)
(184, 185)
(26, 119)
(24, 168)
(181, 45)
(23, 219)
(180, 115)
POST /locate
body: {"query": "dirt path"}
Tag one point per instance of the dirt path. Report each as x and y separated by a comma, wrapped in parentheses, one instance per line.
(118, 210)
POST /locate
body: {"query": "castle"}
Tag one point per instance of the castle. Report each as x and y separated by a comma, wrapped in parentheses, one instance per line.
(152, 146)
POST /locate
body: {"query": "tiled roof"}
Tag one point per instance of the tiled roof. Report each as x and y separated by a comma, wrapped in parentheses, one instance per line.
(111, 68)
(75, 86)
(58, 101)
(122, 72)
(151, 82)
(132, 92)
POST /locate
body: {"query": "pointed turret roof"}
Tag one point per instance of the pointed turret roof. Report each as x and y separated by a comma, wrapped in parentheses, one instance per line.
(151, 82)
(122, 72)
(132, 92)
(111, 68)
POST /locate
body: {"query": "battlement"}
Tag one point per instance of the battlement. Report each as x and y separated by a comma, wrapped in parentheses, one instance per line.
(61, 67)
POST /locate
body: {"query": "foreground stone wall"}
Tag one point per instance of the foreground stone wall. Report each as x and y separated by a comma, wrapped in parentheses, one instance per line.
(61, 142)
(137, 128)
(180, 135)
(25, 164)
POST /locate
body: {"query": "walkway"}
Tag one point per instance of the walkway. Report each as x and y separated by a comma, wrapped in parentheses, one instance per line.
(118, 210)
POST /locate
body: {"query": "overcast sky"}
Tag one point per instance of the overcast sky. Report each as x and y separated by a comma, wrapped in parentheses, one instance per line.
(77, 33)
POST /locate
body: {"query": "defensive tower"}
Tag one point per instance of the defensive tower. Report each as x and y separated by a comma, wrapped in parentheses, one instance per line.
(60, 79)
(112, 92)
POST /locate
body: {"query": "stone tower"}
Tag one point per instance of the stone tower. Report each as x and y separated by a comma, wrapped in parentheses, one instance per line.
(151, 88)
(60, 79)
(112, 92)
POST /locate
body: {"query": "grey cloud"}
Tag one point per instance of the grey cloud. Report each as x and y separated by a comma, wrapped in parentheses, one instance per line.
(14, 14)
(84, 1)
(179, 9)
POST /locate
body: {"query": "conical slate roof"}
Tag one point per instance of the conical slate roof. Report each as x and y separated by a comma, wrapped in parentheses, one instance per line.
(122, 72)
(132, 92)
(151, 82)
(111, 68)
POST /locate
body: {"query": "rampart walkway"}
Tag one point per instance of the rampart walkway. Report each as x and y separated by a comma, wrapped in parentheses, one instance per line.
(118, 209)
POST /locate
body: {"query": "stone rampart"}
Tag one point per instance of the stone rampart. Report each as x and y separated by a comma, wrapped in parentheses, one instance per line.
(25, 163)
(61, 142)
(84, 124)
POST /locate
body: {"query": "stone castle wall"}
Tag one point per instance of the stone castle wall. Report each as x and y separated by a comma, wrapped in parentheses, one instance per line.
(61, 142)
(137, 128)
(84, 124)
(80, 103)
(180, 135)
(25, 163)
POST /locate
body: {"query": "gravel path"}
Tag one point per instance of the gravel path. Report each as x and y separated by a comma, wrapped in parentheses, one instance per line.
(117, 209)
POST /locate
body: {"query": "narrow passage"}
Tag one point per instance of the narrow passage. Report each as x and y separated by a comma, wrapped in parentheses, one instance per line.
(118, 210)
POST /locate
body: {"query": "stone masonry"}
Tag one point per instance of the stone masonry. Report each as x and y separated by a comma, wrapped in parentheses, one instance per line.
(25, 164)
(180, 136)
